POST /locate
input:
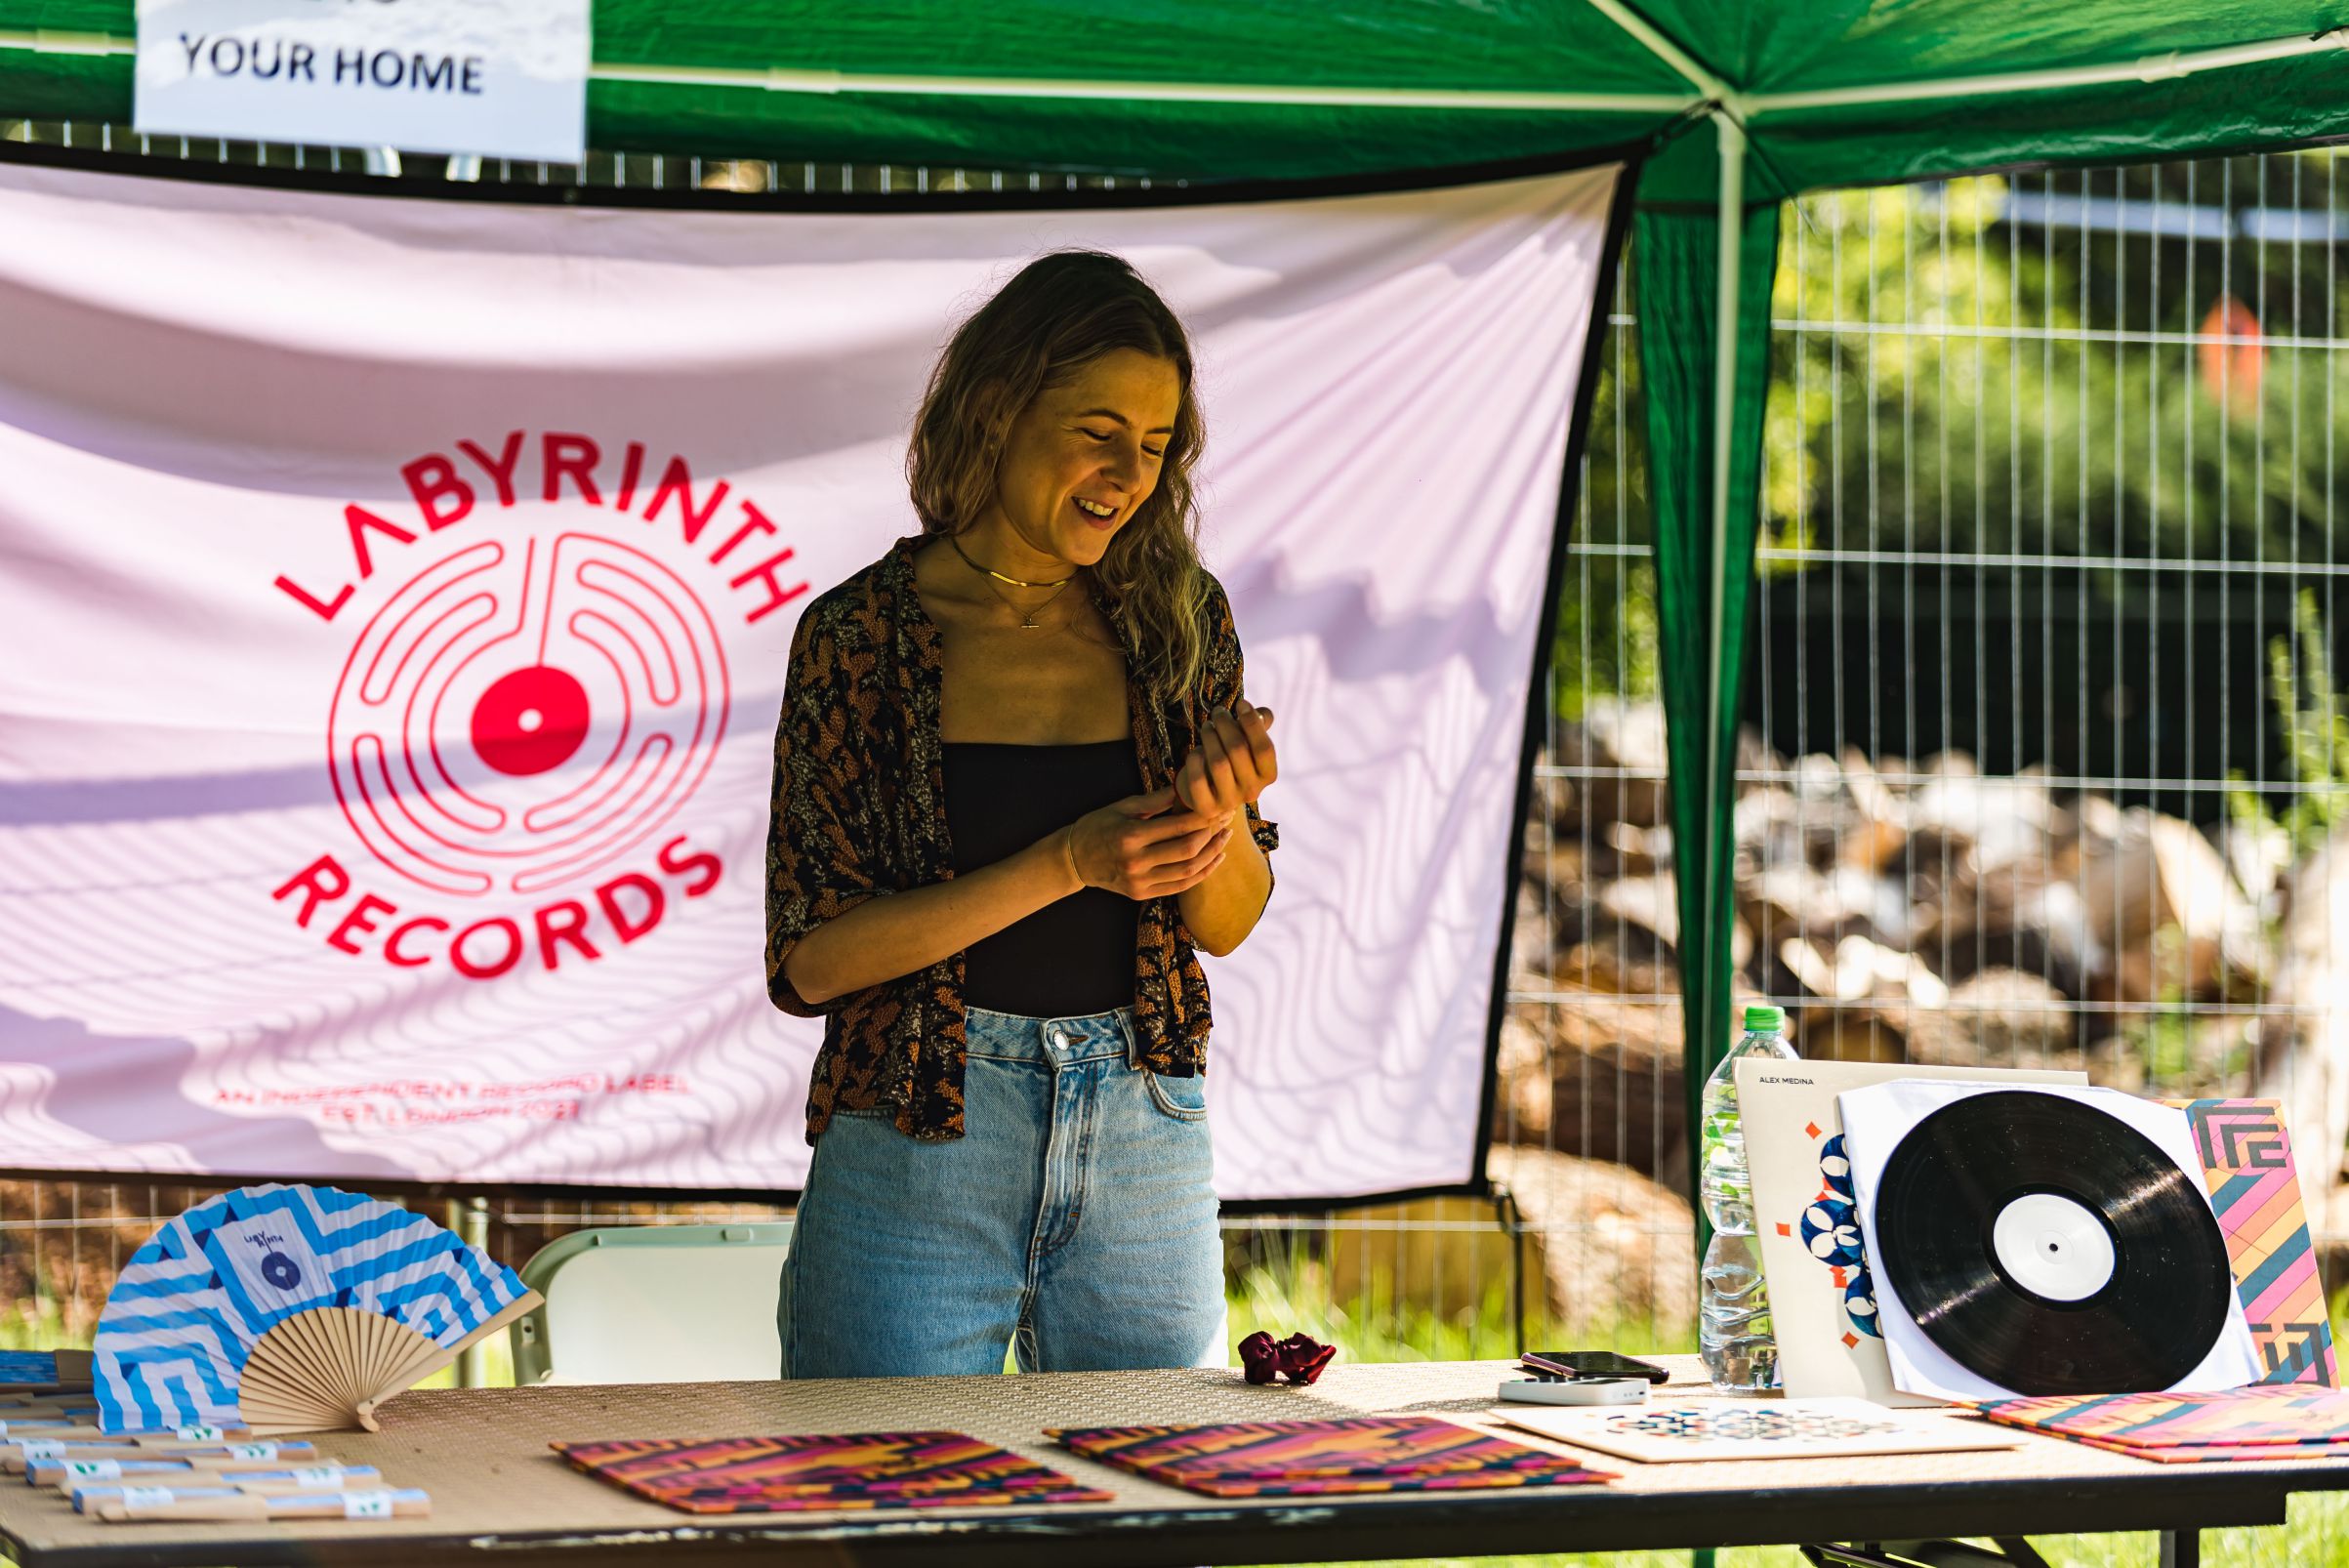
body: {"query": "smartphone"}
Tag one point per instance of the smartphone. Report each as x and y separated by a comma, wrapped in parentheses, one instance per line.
(1592, 1364)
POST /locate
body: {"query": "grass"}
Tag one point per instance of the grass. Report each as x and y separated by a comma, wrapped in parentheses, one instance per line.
(2317, 1537)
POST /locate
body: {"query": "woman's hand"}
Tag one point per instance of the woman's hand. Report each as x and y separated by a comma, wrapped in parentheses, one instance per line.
(1143, 848)
(1233, 763)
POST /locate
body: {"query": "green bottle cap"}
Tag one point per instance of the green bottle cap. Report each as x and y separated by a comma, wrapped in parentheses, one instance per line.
(1770, 1020)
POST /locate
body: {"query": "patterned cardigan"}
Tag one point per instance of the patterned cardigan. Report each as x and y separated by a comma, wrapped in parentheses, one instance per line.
(860, 812)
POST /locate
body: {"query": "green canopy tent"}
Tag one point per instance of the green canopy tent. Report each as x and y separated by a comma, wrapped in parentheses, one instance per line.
(1798, 94)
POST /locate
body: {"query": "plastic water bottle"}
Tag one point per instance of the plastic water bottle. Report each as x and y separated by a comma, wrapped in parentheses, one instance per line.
(1733, 1316)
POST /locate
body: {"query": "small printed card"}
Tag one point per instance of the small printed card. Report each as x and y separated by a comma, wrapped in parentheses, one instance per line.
(1777, 1428)
(824, 1470)
(1317, 1458)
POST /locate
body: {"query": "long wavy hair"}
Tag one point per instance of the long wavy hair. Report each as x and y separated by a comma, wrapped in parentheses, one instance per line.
(1063, 312)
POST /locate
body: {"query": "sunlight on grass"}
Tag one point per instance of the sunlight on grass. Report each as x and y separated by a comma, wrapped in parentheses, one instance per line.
(2317, 1537)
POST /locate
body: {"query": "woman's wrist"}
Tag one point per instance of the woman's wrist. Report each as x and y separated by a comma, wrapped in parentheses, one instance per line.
(1065, 843)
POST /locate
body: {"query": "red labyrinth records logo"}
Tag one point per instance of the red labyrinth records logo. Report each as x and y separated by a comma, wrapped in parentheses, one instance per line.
(520, 723)
(579, 650)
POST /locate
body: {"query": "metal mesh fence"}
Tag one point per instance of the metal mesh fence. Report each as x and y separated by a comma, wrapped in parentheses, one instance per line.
(2044, 758)
(2046, 752)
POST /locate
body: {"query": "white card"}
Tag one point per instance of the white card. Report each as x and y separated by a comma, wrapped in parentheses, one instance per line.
(1821, 1290)
(1693, 1429)
(1875, 1120)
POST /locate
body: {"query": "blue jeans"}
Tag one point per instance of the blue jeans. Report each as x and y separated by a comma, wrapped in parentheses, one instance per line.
(1075, 1220)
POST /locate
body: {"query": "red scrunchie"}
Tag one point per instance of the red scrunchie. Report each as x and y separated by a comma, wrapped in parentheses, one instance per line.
(1298, 1359)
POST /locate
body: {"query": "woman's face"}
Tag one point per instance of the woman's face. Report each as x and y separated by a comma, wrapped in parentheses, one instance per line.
(1081, 458)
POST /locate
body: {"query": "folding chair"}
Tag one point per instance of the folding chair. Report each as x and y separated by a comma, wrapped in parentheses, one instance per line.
(654, 1303)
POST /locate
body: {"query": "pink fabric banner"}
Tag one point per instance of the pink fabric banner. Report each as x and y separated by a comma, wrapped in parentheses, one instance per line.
(394, 602)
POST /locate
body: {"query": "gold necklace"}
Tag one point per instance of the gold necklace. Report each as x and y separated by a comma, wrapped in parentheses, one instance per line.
(1016, 582)
(1027, 617)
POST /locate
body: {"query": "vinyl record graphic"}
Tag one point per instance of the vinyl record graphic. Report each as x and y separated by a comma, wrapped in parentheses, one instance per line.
(290, 1310)
(2051, 1248)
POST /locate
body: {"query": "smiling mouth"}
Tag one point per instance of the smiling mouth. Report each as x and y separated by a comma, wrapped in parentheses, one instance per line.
(1099, 520)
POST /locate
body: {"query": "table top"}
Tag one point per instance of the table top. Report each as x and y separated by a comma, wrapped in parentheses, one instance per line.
(496, 1486)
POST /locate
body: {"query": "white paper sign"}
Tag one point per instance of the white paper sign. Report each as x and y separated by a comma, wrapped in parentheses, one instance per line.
(503, 78)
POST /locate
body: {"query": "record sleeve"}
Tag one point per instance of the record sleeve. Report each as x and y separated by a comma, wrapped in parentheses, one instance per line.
(1326, 1458)
(1876, 1123)
(1822, 1290)
(2051, 1247)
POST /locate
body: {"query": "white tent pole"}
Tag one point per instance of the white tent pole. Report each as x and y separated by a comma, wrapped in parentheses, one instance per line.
(1731, 215)
(1741, 105)
(2149, 69)
(1053, 87)
(1653, 40)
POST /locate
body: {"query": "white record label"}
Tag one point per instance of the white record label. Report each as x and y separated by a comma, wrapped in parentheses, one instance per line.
(2053, 1247)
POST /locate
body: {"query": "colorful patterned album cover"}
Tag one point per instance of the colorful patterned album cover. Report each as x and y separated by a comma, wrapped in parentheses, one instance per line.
(2248, 1169)
(825, 1470)
(2290, 1416)
(1322, 1458)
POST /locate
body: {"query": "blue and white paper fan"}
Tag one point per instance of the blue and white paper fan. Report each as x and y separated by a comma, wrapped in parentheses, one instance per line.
(290, 1309)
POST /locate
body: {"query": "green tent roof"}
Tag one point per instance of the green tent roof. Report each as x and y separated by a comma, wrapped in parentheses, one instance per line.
(1218, 90)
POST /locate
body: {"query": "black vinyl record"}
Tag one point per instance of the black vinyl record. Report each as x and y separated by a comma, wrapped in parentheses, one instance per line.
(2051, 1248)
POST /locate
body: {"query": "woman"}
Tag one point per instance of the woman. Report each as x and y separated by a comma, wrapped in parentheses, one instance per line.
(1012, 757)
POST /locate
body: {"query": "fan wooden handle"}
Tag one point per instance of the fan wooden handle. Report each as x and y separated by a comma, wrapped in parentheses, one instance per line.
(399, 1504)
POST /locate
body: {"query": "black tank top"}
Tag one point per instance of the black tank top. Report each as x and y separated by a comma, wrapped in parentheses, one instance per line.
(1074, 956)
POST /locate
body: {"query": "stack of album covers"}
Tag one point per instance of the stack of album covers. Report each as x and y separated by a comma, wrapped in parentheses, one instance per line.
(824, 1470)
(2264, 1422)
(1317, 1458)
